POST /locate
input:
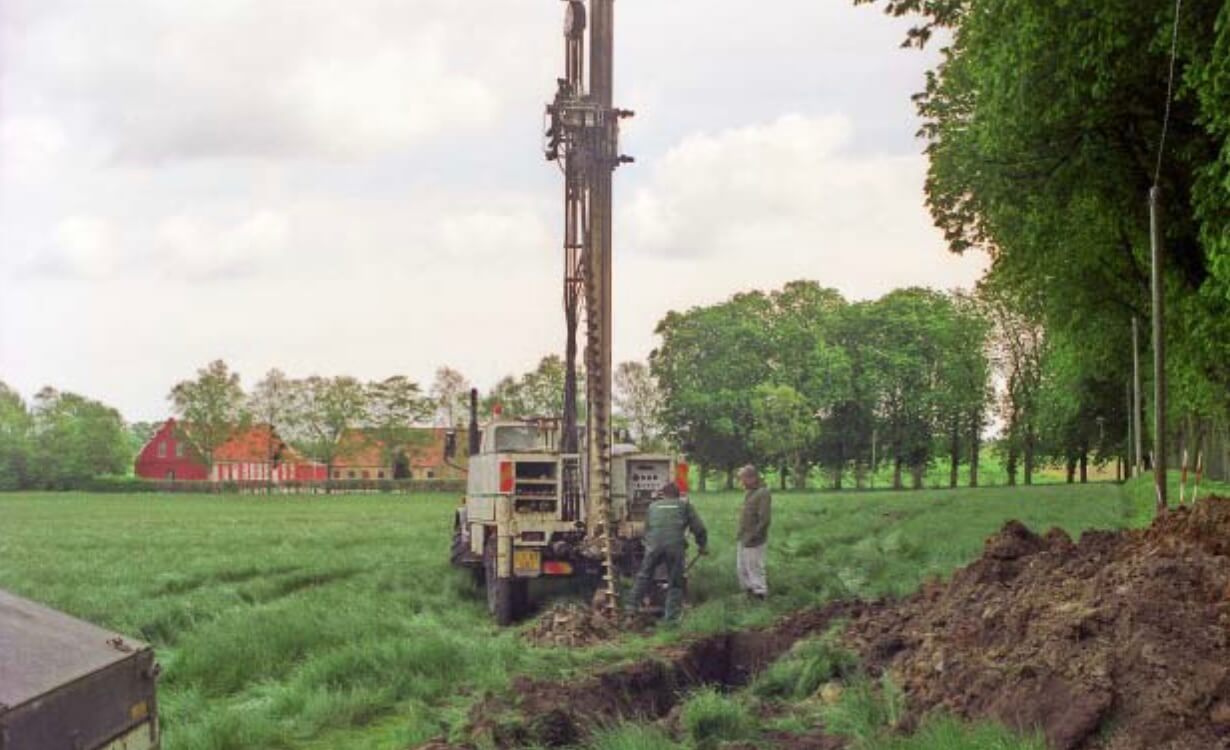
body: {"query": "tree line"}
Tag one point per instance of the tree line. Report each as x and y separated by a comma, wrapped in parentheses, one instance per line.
(63, 440)
(59, 440)
(1047, 125)
(816, 387)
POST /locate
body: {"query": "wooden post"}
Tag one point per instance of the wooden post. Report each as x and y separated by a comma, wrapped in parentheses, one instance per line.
(1136, 398)
(1159, 351)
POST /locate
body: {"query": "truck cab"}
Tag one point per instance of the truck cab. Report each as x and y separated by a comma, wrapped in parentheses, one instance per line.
(525, 515)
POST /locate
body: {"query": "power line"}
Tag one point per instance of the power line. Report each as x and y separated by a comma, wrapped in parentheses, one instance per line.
(1174, 48)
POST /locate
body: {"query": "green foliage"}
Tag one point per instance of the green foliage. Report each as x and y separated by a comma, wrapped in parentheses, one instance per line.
(799, 377)
(539, 392)
(709, 717)
(1044, 122)
(638, 400)
(211, 409)
(708, 363)
(785, 429)
(326, 410)
(394, 405)
(74, 439)
(450, 395)
(15, 447)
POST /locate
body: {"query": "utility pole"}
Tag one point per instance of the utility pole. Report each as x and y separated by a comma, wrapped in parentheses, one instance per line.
(1159, 351)
(1136, 396)
(1129, 469)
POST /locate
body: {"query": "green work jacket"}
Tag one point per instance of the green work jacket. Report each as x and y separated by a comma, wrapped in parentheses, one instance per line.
(754, 519)
(668, 519)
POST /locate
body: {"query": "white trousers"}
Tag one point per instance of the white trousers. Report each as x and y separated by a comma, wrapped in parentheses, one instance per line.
(750, 564)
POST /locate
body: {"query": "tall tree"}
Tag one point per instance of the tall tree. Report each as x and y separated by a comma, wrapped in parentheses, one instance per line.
(210, 408)
(395, 406)
(807, 357)
(15, 436)
(639, 401)
(1017, 351)
(708, 364)
(539, 392)
(76, 439)
(272, 403)
(326, 409)
(785, 429)
(963, 383)
(450, 391)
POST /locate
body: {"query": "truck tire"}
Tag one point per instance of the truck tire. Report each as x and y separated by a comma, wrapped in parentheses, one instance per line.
(458, 549)
(506, 597)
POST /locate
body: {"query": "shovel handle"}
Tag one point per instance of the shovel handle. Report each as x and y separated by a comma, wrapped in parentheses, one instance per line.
(694, 561)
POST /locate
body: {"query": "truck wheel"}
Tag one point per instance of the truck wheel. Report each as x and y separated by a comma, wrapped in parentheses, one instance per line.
(506, 597)
(458, 549)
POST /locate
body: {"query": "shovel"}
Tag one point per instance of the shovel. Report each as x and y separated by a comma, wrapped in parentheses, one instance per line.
(694, 561)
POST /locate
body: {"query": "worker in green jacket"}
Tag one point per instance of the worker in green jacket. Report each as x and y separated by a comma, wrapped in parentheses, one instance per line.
(666, 522)
(753, 534)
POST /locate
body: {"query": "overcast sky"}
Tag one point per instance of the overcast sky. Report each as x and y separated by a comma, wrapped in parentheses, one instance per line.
(359, 188)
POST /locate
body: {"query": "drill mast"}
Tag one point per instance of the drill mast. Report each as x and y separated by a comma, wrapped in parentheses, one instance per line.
(583, 137)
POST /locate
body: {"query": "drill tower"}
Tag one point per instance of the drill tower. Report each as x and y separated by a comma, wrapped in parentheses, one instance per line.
(583, 137)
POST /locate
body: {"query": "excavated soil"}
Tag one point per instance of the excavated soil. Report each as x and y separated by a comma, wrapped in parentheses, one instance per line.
(577, 626)
(1118, 642)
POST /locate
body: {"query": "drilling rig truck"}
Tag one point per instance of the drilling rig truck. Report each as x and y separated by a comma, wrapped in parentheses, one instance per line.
(555, 496)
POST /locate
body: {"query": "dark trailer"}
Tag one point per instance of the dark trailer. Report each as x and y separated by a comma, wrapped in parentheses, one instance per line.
(68, 685)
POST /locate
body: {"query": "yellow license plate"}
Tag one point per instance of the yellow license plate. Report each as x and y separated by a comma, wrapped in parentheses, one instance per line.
(527, 561)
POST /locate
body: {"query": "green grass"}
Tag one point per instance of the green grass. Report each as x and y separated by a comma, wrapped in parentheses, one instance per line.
(709, 717)
(335, 622)
(808, 666)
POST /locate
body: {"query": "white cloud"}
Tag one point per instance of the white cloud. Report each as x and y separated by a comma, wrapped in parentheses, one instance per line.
(85, 246)
(785, 199)
(164, 81)
(387, 100)
(189, 248)
(31, 147)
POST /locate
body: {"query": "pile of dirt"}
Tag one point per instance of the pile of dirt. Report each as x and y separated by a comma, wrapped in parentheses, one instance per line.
(575, 626)
(555, 714)
(1118, 642)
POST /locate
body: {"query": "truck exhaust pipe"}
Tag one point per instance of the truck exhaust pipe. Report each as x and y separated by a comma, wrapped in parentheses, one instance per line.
(475, 437)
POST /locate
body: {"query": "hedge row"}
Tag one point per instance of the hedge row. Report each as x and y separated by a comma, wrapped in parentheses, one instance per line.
(131, 485)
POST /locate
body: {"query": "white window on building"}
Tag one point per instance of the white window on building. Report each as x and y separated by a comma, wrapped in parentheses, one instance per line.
(179, 450)
(162, 449)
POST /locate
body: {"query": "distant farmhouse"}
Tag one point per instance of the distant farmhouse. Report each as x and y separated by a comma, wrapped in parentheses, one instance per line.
(246, 457)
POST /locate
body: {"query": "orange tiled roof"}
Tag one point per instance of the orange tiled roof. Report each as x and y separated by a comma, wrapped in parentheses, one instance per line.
(252, 444)
(359, 449)
(429, 453)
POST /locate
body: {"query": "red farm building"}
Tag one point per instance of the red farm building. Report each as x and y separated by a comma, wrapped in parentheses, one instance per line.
(243, 458)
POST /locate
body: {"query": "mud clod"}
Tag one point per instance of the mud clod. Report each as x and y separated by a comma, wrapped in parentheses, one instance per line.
(576, 626)
(1118, 642)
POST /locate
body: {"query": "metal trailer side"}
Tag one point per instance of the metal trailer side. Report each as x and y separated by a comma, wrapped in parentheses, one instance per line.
(68, 685)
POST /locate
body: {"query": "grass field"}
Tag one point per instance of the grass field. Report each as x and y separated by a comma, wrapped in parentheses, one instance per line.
(335, 622)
